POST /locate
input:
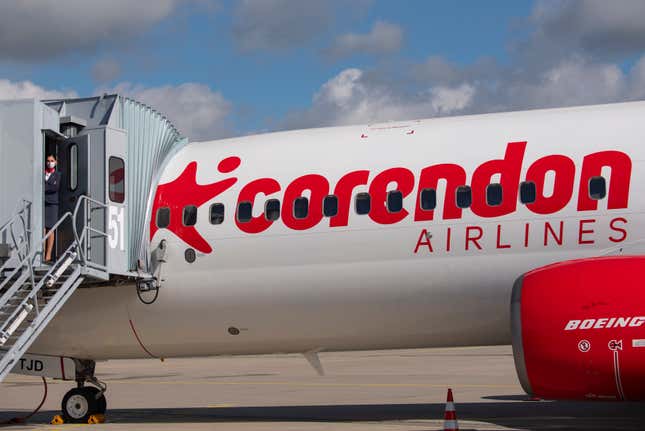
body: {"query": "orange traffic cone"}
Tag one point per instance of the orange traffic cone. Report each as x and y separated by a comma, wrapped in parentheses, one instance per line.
(450, 416)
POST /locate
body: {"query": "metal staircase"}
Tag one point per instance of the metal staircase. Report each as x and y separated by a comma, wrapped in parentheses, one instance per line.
(31, 293)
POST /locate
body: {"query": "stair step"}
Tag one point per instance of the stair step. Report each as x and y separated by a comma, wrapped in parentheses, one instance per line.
(15, 301)
(45, 270)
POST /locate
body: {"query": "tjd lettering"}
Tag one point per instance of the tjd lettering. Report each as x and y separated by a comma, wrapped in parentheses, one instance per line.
(31, 365)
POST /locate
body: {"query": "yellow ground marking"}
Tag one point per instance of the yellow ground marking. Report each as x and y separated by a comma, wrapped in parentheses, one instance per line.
(221, 406)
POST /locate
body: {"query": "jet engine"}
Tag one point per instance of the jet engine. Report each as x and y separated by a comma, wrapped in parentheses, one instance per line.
(579, 329)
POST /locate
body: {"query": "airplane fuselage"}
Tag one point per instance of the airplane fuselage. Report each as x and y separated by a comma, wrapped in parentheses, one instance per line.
(428, 274)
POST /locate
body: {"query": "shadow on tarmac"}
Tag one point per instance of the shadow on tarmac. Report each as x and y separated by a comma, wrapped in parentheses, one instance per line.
(540, 415)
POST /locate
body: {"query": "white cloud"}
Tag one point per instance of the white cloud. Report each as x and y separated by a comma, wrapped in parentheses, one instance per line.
(280, 25)
(355, 96)
(106, 70)
(383, 38)
(275, 25)
(29, 90)
(352, 98)
(574, 53)
(38, 30)
(195, 109)
(198, 112)
(604, 29)
(446, 99)
(571, 82)
(637, 80)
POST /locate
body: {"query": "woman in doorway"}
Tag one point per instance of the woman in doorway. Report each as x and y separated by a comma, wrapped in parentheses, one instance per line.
(52, 199)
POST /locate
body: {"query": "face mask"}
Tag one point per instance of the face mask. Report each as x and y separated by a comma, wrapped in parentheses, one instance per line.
(51, 165)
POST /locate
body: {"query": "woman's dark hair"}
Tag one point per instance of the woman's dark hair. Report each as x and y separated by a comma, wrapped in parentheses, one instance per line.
(51, 155)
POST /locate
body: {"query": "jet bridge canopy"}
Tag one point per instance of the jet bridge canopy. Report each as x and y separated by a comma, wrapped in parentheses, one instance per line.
(149, 139)
(110, 148)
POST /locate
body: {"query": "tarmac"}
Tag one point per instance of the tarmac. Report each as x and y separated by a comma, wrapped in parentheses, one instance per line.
(385, 390)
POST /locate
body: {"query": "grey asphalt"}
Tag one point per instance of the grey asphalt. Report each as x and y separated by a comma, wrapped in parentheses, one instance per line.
(389, 390)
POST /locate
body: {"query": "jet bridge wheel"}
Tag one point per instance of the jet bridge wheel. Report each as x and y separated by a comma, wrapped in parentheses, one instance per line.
(81, 403)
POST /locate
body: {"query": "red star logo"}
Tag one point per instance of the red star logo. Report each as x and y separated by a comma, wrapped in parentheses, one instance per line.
(184, 191)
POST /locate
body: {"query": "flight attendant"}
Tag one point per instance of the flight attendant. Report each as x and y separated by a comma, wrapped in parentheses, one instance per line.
(52, 199)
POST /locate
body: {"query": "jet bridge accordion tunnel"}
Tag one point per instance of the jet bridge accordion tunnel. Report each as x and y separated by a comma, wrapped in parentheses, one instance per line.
(110, 149)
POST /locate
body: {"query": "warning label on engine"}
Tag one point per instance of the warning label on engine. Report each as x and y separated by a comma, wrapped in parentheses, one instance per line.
(638, 343)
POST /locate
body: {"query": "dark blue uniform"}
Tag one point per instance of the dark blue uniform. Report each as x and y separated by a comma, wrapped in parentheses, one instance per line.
(52, 199)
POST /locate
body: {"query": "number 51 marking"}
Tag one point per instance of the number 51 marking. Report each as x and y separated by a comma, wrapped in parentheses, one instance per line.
(116, 227)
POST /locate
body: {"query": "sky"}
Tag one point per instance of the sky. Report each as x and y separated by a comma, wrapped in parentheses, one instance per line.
(222, 68)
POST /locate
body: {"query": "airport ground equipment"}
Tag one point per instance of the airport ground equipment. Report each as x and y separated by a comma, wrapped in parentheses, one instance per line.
(110, 152)
(32, 294)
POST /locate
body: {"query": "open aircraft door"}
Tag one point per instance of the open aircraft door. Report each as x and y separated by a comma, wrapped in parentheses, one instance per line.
(75, 162)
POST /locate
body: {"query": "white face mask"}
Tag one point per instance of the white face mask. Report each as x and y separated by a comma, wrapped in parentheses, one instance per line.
(51, 165)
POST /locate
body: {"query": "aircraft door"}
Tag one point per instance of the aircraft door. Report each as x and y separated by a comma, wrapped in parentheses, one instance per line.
(73, 163)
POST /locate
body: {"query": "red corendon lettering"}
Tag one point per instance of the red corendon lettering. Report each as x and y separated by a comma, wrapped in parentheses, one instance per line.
(404, 180)
(564, 169)
(474, 239)
(248, 193)
(621, 170)
(557, 237)
(582, 231)
(319, 187)
(343, 191)
(455, 176)
(623, 232)
(499, 238)
(509, 169)
(424, 239)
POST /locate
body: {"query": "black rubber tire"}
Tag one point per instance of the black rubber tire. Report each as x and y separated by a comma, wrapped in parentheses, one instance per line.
(101, 405)
(101, 402)
(88, 403)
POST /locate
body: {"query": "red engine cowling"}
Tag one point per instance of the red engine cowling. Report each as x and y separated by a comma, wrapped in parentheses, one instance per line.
(579, 329)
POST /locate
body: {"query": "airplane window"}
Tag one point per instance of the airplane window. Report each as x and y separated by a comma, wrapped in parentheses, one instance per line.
(597, 188)
(163, 217)
(217, 213)
(494, 194)
(330, 206)
(272, 209)
(244, 212)
(116, 189)
(428, 199)
(464, 197)
(301, 207)
(190, 215)
(394, 201)
(73, 167)
(527, 192)
(363, 204)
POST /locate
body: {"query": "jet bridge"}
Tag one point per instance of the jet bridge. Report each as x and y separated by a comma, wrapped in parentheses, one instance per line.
(110, 151)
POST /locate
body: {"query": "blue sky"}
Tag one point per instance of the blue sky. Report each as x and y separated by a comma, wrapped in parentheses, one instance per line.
(222, 68)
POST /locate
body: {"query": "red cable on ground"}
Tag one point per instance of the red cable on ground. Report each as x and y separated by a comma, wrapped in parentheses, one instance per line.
(24, 419)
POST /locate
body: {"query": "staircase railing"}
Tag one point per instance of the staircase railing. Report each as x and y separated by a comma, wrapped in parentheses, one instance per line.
(25, 269)
(22, 219)
(30, 301)
(83, 238)
(14, 268)
(30, 297)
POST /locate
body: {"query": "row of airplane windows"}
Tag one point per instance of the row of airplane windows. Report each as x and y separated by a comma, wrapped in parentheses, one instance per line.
(362, 203)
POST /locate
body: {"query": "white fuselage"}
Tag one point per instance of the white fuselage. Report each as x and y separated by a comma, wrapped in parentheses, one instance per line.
(363, 284)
